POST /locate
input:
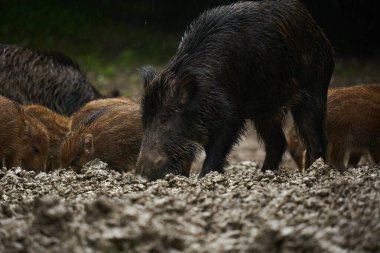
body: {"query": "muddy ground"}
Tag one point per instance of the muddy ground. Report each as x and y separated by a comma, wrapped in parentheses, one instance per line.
(243, 210)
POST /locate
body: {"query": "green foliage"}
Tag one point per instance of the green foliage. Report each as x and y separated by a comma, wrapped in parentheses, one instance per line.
(104, 46)
(110, 39)
(87, 34)
(43, 23)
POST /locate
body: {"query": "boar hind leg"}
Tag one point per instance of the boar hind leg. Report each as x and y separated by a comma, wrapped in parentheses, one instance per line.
(220, 144)
(310, 120)
(375, 154)
(270, 131)
(354, 158)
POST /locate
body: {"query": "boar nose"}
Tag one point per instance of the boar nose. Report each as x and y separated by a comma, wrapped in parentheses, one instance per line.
(159, 161)
(156, 161)
(149, 162)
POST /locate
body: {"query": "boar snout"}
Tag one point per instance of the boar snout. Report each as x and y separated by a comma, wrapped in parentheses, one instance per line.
(149, 165)
(35, 168)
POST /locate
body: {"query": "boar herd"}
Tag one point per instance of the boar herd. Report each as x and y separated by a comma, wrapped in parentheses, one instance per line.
(248, 61)
(37, 138)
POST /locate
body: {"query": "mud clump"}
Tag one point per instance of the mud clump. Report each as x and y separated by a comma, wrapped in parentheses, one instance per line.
(244, 210)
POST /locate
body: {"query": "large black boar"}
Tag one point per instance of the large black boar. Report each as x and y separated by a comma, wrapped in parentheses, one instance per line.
(52, 80)
(248, 60)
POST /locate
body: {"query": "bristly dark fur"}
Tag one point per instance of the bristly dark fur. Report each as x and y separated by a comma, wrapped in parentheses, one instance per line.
(247, 60)
(147, 73)
(49, 79)
(61, 59)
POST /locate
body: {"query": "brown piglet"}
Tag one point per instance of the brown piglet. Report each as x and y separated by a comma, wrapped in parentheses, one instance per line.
(35, 145)
(12, 128)
(353, 127)
(24, 140)
(57, 127)
(96, 105)
(112, 134)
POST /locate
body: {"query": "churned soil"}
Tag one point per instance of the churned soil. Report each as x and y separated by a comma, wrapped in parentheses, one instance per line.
(243, 210)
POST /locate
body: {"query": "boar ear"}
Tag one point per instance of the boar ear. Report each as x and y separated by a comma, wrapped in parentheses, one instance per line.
(147, 73)
(187, 89)
(88, 144)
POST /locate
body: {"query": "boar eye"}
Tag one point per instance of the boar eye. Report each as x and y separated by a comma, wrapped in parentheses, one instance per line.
(163, 118)
(35, 150)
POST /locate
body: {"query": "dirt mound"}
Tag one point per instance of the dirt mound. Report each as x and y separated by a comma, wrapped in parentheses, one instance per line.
(243, 210)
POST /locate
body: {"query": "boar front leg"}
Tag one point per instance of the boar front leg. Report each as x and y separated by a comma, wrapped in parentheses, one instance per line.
(354, 158)
(219, 145)
(12, 160)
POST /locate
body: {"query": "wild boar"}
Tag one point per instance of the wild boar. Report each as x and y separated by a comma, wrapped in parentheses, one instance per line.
(49, 79)
(24, 140)
(244, 61)
(35, 145)
(96, 105)
(12, 129)
(57, 126)
(112, 134)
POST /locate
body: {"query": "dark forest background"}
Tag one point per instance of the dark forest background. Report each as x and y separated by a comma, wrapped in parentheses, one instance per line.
(111, 38)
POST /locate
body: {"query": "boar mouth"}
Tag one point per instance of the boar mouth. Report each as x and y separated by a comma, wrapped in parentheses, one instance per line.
(153, 174)
(176, 163)
(35, 169)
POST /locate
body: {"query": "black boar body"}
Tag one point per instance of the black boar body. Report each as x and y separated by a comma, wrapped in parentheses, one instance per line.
(245, 61)
(51, 80)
